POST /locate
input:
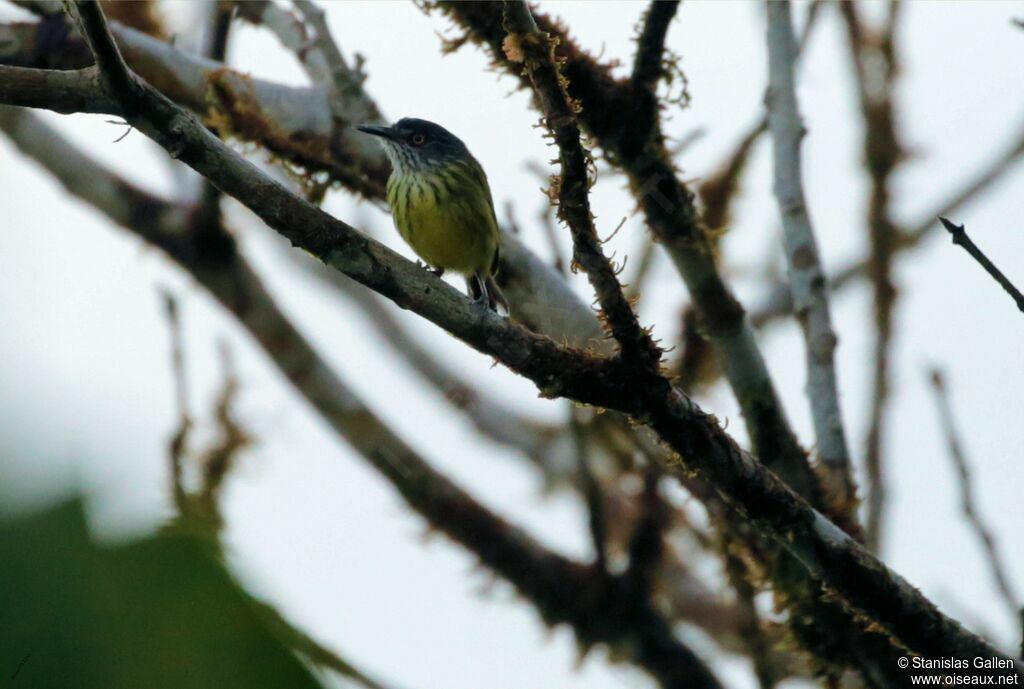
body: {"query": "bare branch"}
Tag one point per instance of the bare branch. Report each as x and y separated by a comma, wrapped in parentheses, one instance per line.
(960, 238)
(291, 32)
(346, 82)
(59, 91)
(807, 279)
(719, 189)
(947, 422)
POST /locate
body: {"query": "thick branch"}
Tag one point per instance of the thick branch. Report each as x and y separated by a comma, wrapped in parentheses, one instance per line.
(807, 279)
(63, 92)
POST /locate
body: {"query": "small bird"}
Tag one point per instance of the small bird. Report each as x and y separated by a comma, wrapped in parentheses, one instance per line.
(441, 203)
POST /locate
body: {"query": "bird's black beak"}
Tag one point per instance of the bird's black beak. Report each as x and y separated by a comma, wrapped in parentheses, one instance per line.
(377, 130)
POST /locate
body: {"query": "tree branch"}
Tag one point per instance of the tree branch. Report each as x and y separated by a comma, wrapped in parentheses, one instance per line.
(961, 239)
(807, 278)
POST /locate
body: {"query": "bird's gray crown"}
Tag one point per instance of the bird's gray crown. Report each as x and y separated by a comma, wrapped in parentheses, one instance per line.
(412, 143)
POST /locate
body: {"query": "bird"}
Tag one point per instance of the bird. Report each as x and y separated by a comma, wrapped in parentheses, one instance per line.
(441, 204)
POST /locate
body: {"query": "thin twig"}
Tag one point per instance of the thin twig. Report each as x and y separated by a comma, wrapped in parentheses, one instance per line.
(178, 446)
(591, 489)
(807, 278)
(985, 535)
(960, 238)
(648, 249)
(876, 66)
(219, 459)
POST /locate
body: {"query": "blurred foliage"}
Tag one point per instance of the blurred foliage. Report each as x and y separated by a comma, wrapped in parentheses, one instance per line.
(158, 613)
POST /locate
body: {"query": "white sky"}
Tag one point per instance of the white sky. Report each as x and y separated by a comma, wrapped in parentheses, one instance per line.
(86, 393)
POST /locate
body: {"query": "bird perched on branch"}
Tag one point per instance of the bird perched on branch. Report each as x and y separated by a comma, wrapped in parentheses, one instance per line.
(441, 203)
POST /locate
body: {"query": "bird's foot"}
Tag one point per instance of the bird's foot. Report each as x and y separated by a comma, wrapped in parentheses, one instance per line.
(439, 272)
(483, 303)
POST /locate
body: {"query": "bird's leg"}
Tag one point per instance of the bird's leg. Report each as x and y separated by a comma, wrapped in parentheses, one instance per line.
(478, 290)
(439, 272)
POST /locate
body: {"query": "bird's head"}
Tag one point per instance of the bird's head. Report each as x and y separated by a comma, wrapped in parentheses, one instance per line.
(415, 145)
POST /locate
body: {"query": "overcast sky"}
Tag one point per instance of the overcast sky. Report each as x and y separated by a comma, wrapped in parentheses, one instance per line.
(87, 399)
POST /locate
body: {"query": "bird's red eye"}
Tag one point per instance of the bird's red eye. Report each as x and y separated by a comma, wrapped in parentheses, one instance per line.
(417, 139)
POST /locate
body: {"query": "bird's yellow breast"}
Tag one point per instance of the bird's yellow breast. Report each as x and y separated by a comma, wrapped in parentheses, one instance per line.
(447, 218)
